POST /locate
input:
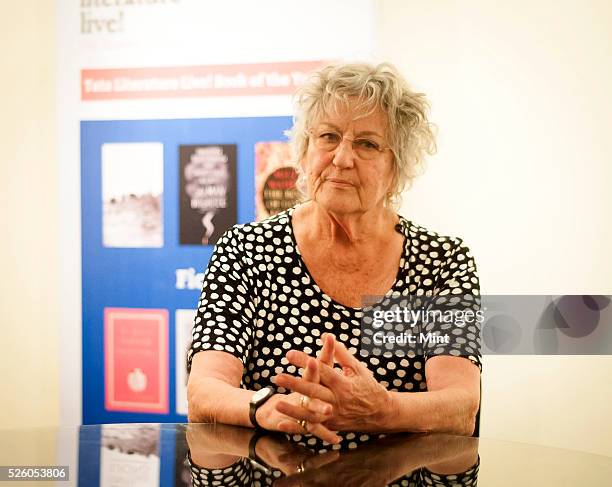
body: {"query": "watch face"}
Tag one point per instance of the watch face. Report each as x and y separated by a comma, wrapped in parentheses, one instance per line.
(260, 394)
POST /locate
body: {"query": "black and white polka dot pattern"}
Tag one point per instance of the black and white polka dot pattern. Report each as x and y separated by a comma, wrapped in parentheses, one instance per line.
(238, 474)
(468, 478)
(259, 301)
(243, 473)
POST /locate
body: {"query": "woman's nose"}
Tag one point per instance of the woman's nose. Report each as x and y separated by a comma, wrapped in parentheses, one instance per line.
(344, 154)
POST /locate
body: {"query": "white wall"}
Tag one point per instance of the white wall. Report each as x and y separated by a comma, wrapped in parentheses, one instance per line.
(29, 196)
(521, 94)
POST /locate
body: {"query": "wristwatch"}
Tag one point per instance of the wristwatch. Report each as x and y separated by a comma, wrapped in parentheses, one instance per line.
(253, 457)
(258, 399)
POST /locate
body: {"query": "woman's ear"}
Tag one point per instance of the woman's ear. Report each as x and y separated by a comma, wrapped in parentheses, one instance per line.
(392, 188)
(303, 162)
(394, 177)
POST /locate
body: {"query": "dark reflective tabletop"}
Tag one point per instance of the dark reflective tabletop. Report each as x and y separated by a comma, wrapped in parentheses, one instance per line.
(207, 454)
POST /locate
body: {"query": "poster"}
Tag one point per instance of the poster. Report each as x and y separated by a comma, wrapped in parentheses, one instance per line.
(137, 232)
(217, 157)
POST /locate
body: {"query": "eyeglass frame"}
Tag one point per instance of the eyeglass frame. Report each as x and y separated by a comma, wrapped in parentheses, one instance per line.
(378, 149)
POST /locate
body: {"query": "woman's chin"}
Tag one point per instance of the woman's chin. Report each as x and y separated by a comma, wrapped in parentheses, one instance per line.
(339, 205)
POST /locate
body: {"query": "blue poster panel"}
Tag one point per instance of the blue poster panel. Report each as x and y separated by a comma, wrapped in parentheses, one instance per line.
(155, 197)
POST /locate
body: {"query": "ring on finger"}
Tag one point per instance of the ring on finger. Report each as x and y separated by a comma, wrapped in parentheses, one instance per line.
(300, 468)
(304, 401)
(303, 423)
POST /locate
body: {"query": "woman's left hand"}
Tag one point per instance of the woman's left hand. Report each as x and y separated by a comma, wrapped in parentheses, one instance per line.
(359, 402)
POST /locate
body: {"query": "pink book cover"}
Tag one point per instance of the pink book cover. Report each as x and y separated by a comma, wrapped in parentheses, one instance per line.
(136, 360)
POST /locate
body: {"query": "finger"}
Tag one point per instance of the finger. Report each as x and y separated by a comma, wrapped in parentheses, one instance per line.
(311, 465)
(298, 358)
(326, 355)
(346, 358)
(327, 374)
(316, 429)
(311, 372)
(310, 476)
(294, 457)
(330, 377)
(310, 389)
(318, 406)
(317, 461)
(310, 460)
(321, 431)
(299, 412)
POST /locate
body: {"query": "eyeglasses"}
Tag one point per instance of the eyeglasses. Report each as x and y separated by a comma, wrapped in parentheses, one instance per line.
(328, 140)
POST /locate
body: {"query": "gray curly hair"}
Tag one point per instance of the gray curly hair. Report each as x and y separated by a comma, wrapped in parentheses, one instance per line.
(411, 135)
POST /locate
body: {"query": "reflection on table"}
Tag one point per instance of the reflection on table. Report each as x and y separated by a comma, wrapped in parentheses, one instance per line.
(216, 454)
(226, 455)
(179, 455)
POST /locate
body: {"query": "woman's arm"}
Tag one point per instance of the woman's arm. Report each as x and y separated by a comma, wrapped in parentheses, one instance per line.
(213, 390)
(214, 396)
(450, 404)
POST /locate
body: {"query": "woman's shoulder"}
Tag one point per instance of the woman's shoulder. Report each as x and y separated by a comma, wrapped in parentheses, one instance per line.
(418, 234)
(440, 260)
(263, 231)
(432, 247)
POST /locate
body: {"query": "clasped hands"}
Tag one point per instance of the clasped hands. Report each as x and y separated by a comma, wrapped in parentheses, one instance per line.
(326, 400)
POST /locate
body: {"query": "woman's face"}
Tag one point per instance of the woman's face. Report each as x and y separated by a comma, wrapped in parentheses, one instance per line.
(341, 180)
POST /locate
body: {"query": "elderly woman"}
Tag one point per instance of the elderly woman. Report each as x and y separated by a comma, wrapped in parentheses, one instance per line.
(287, 293)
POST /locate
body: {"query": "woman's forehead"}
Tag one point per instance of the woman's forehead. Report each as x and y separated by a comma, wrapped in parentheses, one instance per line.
(354, 115)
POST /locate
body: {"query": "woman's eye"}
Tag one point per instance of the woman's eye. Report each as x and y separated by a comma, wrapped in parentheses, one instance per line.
(366, 144)
(329, 137)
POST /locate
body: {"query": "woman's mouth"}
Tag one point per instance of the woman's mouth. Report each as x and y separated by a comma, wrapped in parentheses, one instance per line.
(342, 183)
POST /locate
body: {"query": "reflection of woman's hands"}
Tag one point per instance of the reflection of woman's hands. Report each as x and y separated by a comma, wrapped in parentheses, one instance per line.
(368, 465)
(381, 461)
(339, 472)
(359, 402)
(289, 457)
(219, 446)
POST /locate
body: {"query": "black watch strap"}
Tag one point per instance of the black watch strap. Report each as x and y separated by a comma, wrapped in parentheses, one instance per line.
(255, 460)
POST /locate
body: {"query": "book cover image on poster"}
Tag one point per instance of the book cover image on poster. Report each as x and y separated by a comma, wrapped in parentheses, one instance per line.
(208, 205)
(275, 179)
(129, 455)
(132, 195)
(183, 325)
(136, 360)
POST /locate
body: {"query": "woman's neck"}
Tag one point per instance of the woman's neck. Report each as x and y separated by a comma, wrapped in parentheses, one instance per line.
(351, 230)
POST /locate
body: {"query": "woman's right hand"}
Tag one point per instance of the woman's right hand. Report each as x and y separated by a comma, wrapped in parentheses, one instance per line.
(313, 411)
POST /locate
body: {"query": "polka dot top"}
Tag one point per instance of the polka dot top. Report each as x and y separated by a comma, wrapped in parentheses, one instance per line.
(259, 301)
